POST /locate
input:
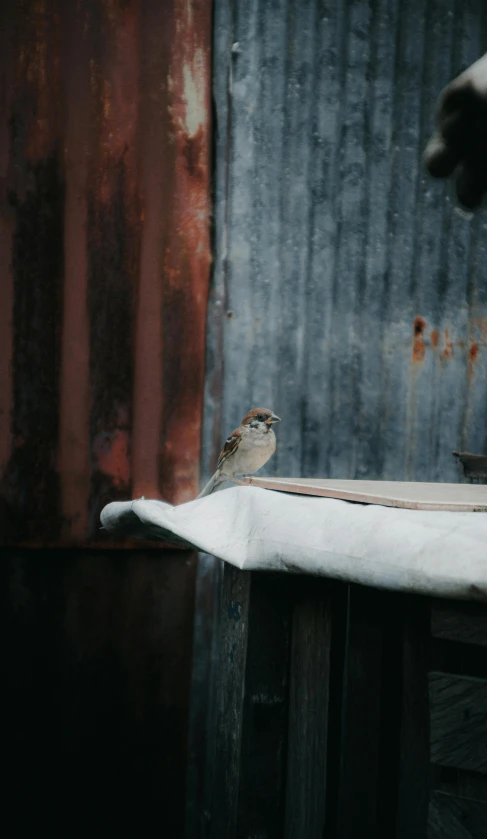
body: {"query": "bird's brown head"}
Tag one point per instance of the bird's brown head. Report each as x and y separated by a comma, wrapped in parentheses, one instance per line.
(262, 418)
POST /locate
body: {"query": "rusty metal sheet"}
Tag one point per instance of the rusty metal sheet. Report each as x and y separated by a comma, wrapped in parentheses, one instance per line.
(104, 258)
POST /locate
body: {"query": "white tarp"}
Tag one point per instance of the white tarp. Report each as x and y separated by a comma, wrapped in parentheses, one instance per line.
(435, 553)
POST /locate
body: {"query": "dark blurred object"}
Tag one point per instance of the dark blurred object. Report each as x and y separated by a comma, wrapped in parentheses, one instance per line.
(460, 141)
(474, 465)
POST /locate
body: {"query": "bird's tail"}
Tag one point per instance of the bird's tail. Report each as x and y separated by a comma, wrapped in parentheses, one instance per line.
(212, 484)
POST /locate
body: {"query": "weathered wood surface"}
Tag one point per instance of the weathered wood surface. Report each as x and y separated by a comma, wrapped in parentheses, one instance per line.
(308, 710)
(413, 765)
(361, 716)
(458, 714)
(331, 723)
(205, 659)
(95, 650)
(234, 613)
(262, 781)
(460, 782)
(466, 624)
(452, 817)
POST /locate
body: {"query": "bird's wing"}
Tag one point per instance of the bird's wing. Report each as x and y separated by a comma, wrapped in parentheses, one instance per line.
(231, 445)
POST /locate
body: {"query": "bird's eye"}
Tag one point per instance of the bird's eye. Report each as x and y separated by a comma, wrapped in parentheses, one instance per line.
(261, 417)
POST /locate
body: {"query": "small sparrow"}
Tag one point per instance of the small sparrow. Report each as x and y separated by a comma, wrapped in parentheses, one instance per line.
(246, 450)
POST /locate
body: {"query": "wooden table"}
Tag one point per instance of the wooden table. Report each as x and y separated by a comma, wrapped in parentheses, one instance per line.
(343, 711)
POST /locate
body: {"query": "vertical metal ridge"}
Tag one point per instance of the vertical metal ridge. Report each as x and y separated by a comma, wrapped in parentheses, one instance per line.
(268, 174)
(399, 332)
(238, 325)
(328, 116)
(148, 371)
(295, 215)
(6, 236)
(73, 460)
(113, 250)
(37, 189)
(453, 384)
(430, 224)
(351, 232)
(376, 252)
(186, 255)
(222, 74)
(475, 430)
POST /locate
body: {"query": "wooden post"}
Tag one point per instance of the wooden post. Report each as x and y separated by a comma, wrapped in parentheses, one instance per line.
(308, 710)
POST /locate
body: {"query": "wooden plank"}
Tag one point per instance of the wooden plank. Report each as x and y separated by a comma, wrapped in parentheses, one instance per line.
(452, 817)
(205, 665)
(414, 770)
(405, 494)
(467, 624)
(261, 795)
(458, 714)
(359, 769)
(308, 711)
(234, 612)
(471, 785)
(96, 657)
(460, 782)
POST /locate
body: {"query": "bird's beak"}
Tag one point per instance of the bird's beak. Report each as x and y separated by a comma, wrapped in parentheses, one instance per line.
(272, 419)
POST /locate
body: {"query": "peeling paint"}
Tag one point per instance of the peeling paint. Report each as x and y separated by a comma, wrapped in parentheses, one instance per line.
(195, 93)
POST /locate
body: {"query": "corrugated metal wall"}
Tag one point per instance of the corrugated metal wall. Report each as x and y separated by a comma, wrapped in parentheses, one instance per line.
(350, 295)
(105, 258)
(104, 272)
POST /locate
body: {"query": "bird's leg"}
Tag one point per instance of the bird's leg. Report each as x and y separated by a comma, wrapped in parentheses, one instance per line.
(239, 482)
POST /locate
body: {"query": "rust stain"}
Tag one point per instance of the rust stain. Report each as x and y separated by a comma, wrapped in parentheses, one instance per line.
(114, 234)
(473, 352)
(191, 150)
(183, 283)
(148, 354)
(111, 455)
(155, 177)
(448, 350)
(74, 448)
(435, 338)
(173, 283)
(6, 338)
(480, 327)
(37, 72)
(6, 244)
(419, 345)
